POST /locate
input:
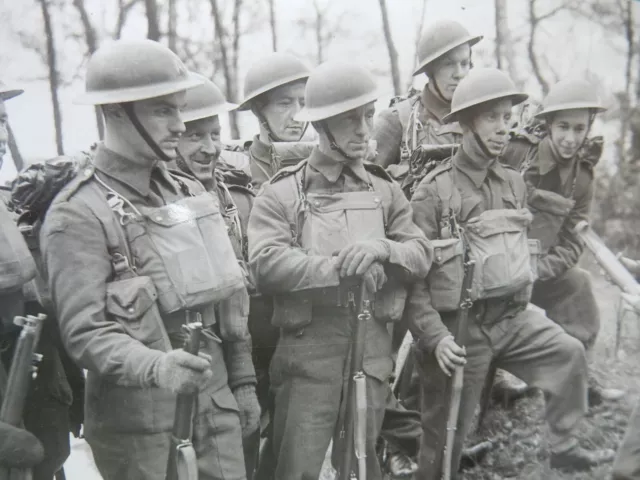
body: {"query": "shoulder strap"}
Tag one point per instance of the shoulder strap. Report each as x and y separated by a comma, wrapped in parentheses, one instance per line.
(407, 114)
(450, 199)
(377, 171)
(287, 171)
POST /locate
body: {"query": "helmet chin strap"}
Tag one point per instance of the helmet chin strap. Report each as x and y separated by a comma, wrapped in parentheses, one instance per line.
(437, 90)
(481, 144)
(332, 141)
(128, 109)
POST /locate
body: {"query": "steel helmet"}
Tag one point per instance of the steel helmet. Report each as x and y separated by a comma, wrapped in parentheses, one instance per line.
(569, 95)
(205, 100)
(9, 92)
(439, 39)
(274, 70)
(483, 85)
(132, 70)
(334, 88)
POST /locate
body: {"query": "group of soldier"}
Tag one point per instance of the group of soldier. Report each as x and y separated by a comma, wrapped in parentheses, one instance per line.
(268, 244)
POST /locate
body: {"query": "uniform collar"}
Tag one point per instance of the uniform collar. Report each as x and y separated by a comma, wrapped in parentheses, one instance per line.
(469, 163)
(122, 169)
(331, 170)
(435, 105)
(261, 150)
(548, 159)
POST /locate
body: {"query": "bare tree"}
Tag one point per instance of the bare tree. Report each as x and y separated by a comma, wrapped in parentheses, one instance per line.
(273, 24)
(172, 21)
(54, 78)
(505, 54)
(124, 7)
(534, 22)
(153, 25)
(229, 59)
(18, 161)
(391, 48)
(91, 38)
(324, 25)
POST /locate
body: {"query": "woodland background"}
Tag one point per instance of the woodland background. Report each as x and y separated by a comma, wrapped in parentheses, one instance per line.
(46, 44)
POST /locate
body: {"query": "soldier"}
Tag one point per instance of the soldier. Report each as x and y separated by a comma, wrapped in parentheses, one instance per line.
(134, 251)
(274, 92)
(444, 56)
(199, 149)
(18, 448)
(313, 228)
(560, 189)
(474, 194)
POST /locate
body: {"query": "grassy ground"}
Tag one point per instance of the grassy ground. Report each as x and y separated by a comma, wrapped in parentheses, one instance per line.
(522, 451)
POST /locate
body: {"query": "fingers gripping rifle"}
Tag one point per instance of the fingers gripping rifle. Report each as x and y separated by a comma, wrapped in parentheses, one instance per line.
(455, 384)
(17, 384)
(183, 464)
(354, 427)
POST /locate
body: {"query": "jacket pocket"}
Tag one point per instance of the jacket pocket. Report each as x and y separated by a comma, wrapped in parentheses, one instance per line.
(292, 311)
(445, 278)
(535, 250)
(132, 303)
(390, 301)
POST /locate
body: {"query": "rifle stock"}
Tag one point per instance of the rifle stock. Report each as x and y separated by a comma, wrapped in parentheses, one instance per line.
(607, 260)
(455, 384)
(20, 374)
(182, 464)
(354, 427)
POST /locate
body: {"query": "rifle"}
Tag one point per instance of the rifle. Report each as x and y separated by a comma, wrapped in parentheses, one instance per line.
(22, 370)
(607, 260)
(611, 265)
(455, 384)
(182, 463)
(354, 427)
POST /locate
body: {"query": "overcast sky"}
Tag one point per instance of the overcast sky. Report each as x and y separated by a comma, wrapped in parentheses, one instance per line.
(573, 48)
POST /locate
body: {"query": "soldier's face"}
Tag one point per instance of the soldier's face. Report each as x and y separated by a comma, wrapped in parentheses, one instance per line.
(4, 133)
(282, 104)
(450, 69)
(491, 124)
(200, 147)
(352, 130)
(569, 129)
(162, 120)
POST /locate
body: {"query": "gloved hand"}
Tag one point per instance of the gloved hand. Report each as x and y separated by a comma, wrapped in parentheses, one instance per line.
(182, 372)
(450, 355)
(249, 407)
(19, 448)
(356, 258)
(374, 278)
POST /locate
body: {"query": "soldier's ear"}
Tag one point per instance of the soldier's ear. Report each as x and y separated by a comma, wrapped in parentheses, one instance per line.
(113, 111)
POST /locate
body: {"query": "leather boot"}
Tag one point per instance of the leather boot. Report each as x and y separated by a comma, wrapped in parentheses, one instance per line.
(597, 394)
(579, 459)
(508, 388)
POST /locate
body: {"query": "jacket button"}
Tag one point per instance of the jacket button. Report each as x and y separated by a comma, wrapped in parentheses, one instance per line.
(130, 310)
(316, 203)
(158, 218)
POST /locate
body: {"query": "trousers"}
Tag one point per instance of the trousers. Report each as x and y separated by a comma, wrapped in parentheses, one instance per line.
(522, 342)
(309, 375)
(627, 464)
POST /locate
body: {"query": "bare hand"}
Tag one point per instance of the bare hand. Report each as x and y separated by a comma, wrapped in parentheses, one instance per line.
(449, 355)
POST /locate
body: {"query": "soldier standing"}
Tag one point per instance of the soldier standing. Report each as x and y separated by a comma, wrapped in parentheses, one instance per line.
(560, 190)
(134, 251)
(18, 448)
(444, 56)
(198, 153)
(474, 204)
(274, 92)
(313, 229)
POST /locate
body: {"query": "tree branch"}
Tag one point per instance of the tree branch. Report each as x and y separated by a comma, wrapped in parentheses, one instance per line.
(391, 48)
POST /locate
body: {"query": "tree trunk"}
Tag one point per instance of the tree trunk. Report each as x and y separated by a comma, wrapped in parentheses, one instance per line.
(18, 161)
(505, 55)
(221, 37)
(318, 29)
(123, 12)
(92, 45)
(171, 27)
(273, 24)
(499, 6)
(393, 53)
(625, 102)
(153, 25)
(54, 80)
(535, 66)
